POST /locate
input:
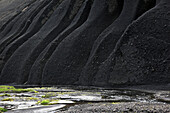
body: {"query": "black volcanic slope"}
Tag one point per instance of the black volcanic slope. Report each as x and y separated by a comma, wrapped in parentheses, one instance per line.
(84, 42)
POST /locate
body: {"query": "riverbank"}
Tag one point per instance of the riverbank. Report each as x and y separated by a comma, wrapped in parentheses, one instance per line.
(86, 99)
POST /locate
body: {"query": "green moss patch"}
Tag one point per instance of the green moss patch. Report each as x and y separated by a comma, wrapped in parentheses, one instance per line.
(11, 89)
(53, 102)
(45, 102)
(31, 98)
(48, 95)
(6, 87)
(8, 99)
(5, 95)
(3, 110)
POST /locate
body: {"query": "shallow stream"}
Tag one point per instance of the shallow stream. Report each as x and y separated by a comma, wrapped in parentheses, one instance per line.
(62, 98)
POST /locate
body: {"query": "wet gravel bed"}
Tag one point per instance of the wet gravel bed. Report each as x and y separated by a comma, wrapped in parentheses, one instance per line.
(87, 100)
(133, 107)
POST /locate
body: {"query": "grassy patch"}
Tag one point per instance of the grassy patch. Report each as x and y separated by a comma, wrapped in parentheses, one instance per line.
(3, 110)
(11, 89)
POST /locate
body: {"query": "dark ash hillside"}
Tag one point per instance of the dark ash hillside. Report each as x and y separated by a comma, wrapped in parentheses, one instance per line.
(84, 42)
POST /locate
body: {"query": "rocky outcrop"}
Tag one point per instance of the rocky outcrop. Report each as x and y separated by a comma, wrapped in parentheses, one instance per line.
(141, 54)
(107, 40)
(85, 42)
